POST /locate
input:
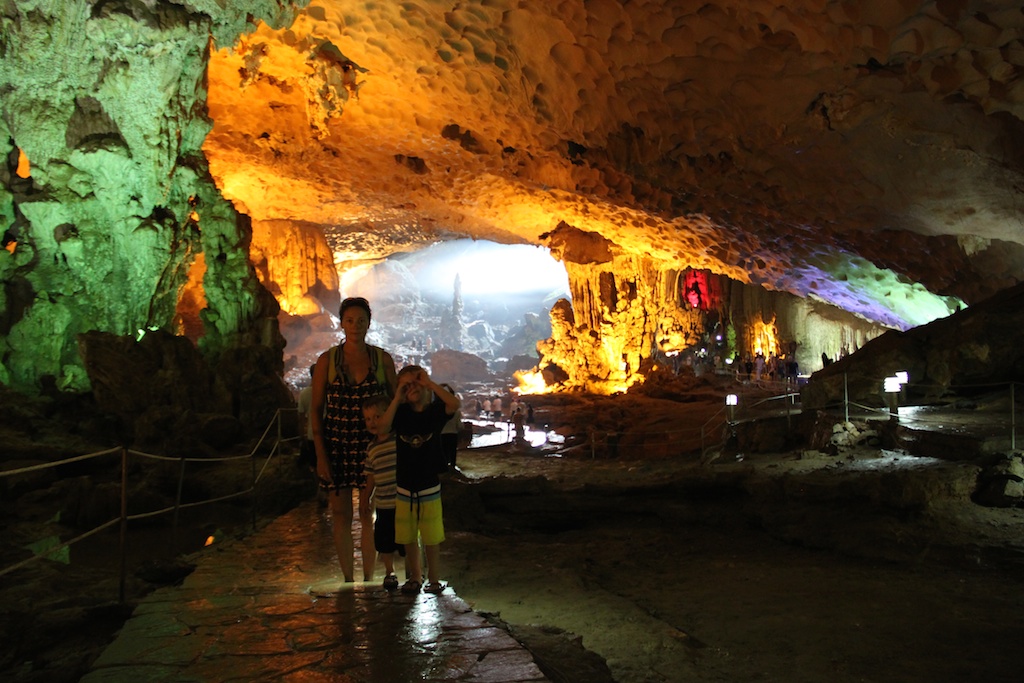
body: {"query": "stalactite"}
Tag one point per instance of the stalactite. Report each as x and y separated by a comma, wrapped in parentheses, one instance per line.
(600, 342)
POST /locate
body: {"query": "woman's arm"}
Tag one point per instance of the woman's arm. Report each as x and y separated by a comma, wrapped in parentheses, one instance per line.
(316, 416)
(364, 496)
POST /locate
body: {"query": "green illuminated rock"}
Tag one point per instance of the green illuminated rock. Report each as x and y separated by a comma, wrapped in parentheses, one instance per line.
(106, 103)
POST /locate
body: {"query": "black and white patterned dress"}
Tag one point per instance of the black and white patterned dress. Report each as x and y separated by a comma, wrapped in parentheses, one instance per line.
(345, 435)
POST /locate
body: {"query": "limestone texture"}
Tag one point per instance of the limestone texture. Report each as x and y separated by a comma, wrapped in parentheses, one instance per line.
(857, 156)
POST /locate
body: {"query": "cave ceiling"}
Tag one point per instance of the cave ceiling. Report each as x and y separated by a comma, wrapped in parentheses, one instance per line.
(160, 154)
(865, 153)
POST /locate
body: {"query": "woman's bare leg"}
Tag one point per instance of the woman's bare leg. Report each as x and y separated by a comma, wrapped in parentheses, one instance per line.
(341, 513)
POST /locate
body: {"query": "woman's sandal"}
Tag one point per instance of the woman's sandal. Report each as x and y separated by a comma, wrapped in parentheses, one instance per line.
(411, 586)
(434, 587)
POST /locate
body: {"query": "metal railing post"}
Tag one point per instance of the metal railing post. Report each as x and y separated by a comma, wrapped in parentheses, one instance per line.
(177, 504)
(789, 421)
(846, 399)
(1013, 417)
(252, 460)
(123, 541)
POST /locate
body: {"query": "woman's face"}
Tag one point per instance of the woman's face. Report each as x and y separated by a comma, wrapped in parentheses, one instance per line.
(355, 322)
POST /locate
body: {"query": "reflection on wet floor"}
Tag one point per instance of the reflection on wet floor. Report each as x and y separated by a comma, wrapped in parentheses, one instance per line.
(499, 432)
(272, 607)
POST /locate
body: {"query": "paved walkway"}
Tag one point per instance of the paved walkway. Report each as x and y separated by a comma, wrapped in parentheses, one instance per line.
(270, 607)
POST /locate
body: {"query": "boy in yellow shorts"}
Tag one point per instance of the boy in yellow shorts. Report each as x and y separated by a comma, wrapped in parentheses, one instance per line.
(418, 412)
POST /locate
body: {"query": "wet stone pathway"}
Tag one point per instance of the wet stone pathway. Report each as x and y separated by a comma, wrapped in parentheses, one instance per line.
(270, 607)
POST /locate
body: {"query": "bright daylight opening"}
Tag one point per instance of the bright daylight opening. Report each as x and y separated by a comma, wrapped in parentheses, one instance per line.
(482, 298)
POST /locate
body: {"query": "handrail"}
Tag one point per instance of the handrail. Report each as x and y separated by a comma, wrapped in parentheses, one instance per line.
(257, 474)
(124, 517)
(845, 405)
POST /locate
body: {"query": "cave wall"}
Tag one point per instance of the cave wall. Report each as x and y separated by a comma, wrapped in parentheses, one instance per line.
(805, 327)
(113, 223)
(628, 310)
(105, 191)
(973, 352)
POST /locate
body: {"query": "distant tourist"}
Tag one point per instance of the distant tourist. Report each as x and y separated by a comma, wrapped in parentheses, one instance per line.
(450, 434)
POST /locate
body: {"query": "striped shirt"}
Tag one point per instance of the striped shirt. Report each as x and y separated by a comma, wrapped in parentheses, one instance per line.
(380, 461)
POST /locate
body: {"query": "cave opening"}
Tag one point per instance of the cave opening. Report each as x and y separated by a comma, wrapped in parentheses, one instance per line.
(476, 297)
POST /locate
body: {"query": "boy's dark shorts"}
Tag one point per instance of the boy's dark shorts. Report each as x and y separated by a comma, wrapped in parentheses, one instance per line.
(384, 533)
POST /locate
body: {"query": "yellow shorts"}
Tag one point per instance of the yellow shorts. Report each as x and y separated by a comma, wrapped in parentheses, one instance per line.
(418, 516)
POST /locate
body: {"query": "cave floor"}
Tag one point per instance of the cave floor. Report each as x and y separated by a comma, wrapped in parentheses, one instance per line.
(867, 566)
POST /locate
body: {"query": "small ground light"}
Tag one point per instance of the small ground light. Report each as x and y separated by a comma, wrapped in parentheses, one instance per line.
(892, 386)
(731, 401)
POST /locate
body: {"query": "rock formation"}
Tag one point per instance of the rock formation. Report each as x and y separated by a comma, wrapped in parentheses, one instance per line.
(856, 156)
(107, 199)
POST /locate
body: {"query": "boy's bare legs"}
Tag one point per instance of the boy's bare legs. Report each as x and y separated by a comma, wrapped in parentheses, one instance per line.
(433, 553)
(413, 570)
(341, 513)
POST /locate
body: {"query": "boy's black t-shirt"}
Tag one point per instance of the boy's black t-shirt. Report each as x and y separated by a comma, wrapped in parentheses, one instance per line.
(419, 453)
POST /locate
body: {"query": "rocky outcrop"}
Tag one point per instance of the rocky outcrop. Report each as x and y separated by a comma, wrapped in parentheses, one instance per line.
(168, 398)
(967, 353)
(627, 313)
(105, 195)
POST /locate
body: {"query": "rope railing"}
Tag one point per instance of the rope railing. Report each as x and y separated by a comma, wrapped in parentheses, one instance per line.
(746, 411)
(179, 505)
(980, 419)
(718, 421)
(57, 463)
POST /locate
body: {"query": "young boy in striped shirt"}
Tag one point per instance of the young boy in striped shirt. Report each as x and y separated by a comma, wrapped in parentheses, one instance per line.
(380, 487)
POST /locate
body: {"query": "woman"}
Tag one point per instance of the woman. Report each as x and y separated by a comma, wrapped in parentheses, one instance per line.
(344, 377)
(450, 433)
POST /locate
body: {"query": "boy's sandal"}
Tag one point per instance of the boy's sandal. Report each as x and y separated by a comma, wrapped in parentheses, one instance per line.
(435, 587)
(411, 586)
